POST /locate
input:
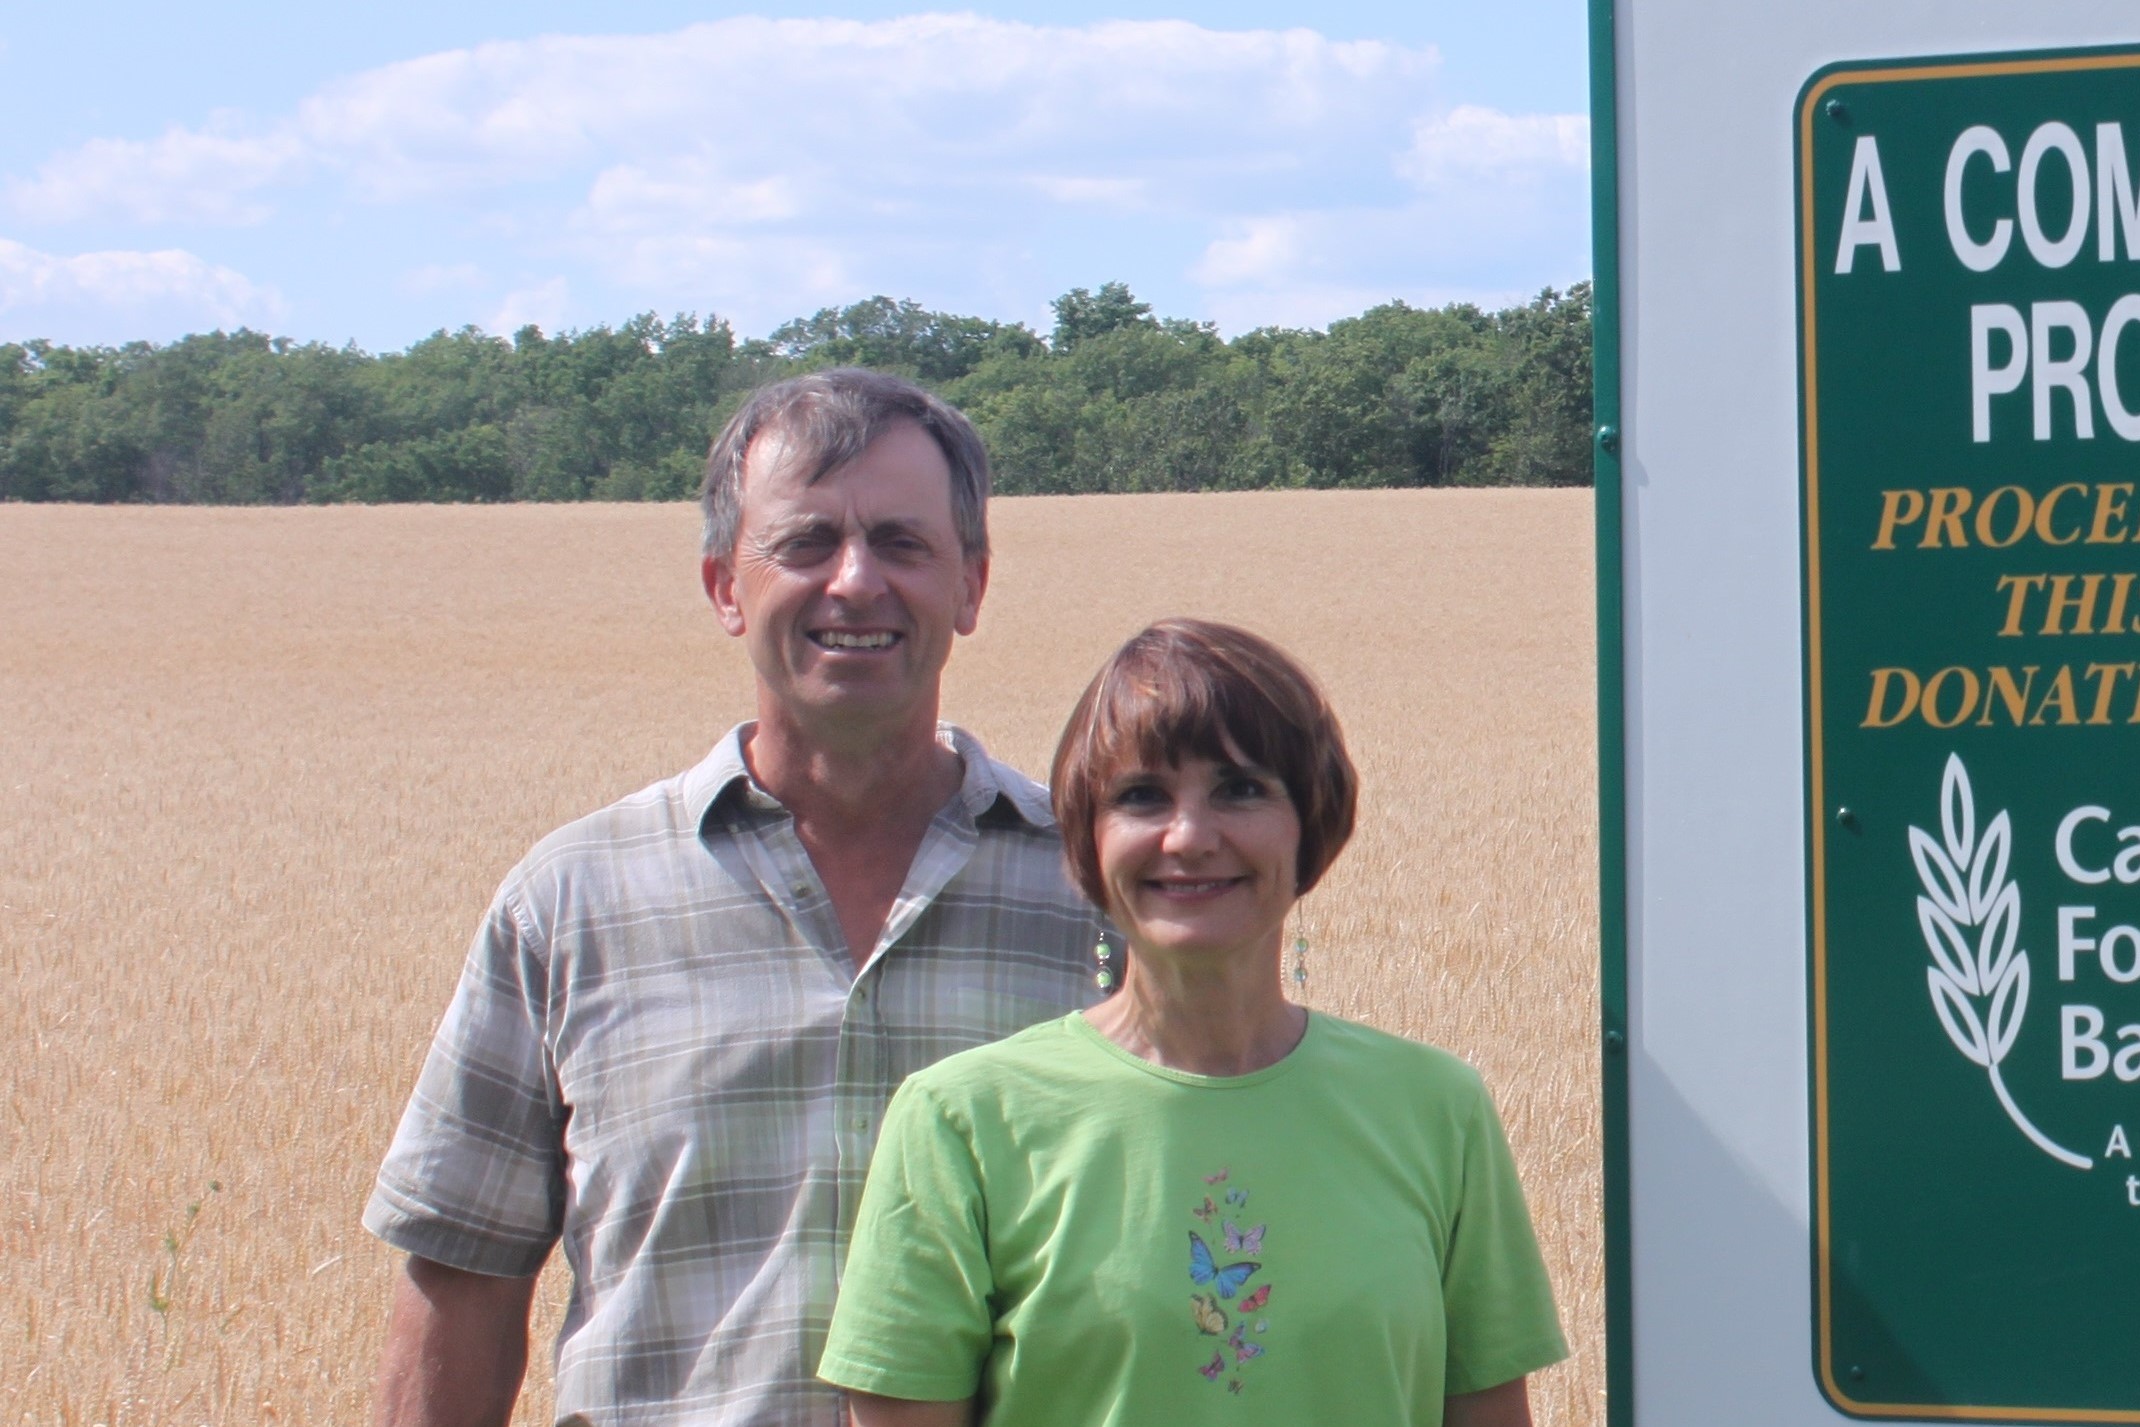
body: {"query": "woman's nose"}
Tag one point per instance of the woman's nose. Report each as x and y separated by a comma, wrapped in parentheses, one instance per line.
(1191, 828)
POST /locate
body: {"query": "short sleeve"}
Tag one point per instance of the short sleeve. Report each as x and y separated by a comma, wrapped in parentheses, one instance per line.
(1498, 1300)
(913, 1318)
(475, 1176)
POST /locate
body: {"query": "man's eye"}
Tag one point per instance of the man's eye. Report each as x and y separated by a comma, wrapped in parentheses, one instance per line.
(798, 549)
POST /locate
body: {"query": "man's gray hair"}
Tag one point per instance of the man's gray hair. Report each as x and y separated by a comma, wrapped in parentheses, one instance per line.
(827, 419)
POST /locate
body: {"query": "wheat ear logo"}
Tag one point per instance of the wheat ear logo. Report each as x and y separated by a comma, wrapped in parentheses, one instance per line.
(1971, 916)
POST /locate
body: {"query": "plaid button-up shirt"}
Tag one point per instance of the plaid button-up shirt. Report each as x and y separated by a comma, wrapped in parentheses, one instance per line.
(661, 1054)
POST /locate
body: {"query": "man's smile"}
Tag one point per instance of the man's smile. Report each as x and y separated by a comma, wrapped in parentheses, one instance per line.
(852, 639)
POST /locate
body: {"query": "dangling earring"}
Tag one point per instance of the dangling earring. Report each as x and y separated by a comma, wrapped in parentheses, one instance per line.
(1104, 978)
(1300, 954)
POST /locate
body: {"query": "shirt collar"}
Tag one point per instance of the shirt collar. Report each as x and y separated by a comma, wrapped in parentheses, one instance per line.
(984, 787)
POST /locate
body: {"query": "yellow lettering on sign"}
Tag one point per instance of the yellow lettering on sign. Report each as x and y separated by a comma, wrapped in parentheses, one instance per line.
(2062, 696)
(2110, 498)
(1899, 508)
(1876, 715)
(2005, 691)
(2020, 585)
(1949, 505)
(2061, 599)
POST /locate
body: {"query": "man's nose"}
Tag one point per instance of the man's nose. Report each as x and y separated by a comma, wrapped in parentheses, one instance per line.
(856, 576)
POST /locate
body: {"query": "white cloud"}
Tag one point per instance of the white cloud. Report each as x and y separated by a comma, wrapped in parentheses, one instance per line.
(1092, 192)
(545, 304)
(443, 277)
(212, 176)
(761, 167)
(166, 285)
(1260, 251)
(1473, 141)
(632, 197)
(1499, 198)
(1318, 304)
(940, 99)
(787, 274)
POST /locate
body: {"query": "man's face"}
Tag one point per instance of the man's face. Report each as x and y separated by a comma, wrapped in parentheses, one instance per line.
(847, 591)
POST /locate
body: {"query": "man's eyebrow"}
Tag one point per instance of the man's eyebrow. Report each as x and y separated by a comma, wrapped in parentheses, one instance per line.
(799, 525)
(895, 525)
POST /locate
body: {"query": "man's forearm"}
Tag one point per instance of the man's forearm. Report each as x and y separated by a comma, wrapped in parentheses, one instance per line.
(456, 1348)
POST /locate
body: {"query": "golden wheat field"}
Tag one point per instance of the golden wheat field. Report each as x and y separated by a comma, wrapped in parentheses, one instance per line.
(261, 770)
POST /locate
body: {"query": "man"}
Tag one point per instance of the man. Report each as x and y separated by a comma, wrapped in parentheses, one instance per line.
(680, 1023)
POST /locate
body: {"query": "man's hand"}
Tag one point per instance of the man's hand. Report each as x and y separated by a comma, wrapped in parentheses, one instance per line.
(1508, 1405)
(456, 1346)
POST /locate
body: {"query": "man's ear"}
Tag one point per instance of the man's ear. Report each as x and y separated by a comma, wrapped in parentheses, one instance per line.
(719, 576)
(970, 601)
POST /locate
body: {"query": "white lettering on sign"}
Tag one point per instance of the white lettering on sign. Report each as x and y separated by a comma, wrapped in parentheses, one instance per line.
(2117, 205)
(2062, 845)
(1866, 219)
(2070, 942)
(1985, 380)
(2119, 1147)
(2049, 139)
(2085, 1055)
(2116, 951)
(2114, 195)
(2055, 347)
(2062, 351)
(2126, 309)
(2080, 1034)
(1977, 257)
(2125, 867)
(2068, 373)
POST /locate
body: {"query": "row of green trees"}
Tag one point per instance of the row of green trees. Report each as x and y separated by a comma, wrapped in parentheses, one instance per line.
(1113, 399)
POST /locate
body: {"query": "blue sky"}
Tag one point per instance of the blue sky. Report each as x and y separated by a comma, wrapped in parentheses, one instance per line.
(376, 173)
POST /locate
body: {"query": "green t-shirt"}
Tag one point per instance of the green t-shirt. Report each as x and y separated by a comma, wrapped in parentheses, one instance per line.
(1080, 1237)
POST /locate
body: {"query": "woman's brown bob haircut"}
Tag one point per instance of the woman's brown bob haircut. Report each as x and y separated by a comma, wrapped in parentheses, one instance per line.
(1189, 688)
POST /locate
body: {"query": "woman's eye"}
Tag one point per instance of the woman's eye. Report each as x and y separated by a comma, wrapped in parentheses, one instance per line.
(1138, 795)
(1244, 788)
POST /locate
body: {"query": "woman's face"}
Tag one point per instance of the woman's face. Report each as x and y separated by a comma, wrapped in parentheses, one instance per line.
(1199, 858)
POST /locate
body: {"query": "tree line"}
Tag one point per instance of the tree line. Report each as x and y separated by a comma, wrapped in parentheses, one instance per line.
(1112, 399)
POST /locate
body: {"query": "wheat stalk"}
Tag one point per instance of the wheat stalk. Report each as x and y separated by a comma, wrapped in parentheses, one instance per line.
(1980, 991)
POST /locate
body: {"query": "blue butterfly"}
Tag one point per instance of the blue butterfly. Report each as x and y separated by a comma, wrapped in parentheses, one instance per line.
(1203, 1270)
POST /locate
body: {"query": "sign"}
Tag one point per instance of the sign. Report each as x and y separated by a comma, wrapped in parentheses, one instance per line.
(1969, 340)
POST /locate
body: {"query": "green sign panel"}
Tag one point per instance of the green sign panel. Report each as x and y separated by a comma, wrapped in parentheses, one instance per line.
(1969, 310)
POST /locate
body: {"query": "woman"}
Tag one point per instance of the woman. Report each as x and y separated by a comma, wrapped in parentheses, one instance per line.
(1195, 1202)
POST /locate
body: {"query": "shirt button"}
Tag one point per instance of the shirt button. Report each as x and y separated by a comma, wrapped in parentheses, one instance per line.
(861, 1122)
(801, 889)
